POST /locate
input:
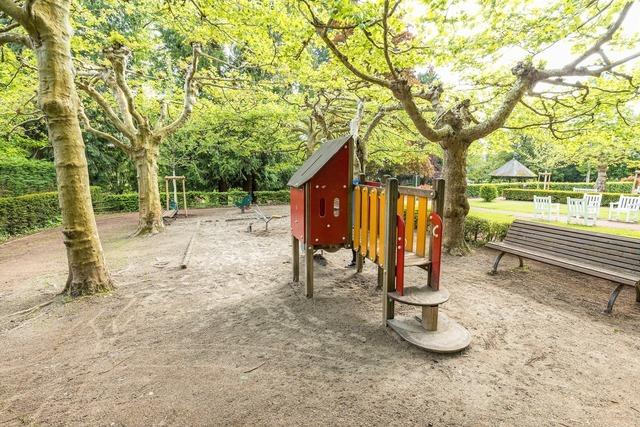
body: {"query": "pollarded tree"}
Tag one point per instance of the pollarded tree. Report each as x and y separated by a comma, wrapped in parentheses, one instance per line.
(48, 33)
(141, 139)
(372, 40)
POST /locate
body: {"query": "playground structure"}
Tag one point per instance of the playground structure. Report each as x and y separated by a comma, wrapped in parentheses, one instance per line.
(380, 222)
(172, 206)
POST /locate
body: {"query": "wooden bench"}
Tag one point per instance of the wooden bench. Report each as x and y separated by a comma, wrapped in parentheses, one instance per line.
(607, 256)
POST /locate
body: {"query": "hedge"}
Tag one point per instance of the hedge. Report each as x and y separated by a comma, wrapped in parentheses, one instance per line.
(556, 196)
(22, 214)
(479, 231)
(128, 202)
(24, 176)
(473, 190)
(26, 213)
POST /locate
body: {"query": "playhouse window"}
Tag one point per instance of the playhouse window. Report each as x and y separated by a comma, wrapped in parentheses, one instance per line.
(336, 207)
(322, 207)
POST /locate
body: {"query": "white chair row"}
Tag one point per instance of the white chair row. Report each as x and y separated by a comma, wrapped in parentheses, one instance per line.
(584, 211)
(627, 207)
(545, 209)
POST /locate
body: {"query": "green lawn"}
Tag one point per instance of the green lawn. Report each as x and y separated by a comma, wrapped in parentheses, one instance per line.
(522, 207)
(482, 209)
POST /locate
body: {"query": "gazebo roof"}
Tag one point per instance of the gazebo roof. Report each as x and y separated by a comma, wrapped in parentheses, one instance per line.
(513, 169)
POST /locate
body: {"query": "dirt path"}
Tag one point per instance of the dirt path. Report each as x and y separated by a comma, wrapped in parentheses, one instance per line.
(230, 340)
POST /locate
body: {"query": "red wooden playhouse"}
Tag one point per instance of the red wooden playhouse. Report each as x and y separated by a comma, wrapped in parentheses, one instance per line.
(392, 226)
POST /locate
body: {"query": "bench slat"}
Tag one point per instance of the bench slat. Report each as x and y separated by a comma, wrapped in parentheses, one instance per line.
(627, 248)
(582, 258)
(624, 259)
(614, 276)
(626, 242)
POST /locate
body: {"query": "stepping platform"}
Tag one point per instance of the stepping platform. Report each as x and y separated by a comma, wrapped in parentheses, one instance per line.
(450, 337)
(421, 296)
(413, 260)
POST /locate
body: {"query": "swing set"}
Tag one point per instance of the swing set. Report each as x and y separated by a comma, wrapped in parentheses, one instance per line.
(173, 207)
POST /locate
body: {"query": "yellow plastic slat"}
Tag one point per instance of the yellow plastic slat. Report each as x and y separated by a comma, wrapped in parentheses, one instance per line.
(356, 222)
(422, 226)
(401, 205)
(383, 219)
(373, 223)
(364, 224)
(409, 223)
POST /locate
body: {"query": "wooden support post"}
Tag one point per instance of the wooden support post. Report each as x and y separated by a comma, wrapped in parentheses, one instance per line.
(359, 256)
(296, 258)
(438, 207)
(380, 277)
(184, 197)
(430, 317)
(166, 191)
(390, 246)
(308, 270)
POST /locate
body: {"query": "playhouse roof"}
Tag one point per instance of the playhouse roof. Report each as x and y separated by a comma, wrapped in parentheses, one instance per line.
(316, 161)
(513, 169)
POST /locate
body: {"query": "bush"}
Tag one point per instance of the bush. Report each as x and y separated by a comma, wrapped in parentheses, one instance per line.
(22, 176)
(473, 190)
(488, 192)
(556, 196)
(26, 213)
(479, 231)
(128, 202)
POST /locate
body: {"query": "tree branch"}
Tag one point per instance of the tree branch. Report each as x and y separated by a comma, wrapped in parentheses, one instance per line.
(18, 14)
(102, 135)
(118, 56)
(190, 94)
(106, 108)
(21, 39)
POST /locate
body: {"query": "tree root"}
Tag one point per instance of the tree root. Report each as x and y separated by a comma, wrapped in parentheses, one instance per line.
(32, 309)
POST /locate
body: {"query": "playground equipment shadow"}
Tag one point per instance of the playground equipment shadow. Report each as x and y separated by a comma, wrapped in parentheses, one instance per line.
(232, 340)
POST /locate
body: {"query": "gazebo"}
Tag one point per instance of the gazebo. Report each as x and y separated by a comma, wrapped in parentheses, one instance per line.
(513, 169)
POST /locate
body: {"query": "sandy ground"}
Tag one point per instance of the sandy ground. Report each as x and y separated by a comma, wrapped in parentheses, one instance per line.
(231, 340)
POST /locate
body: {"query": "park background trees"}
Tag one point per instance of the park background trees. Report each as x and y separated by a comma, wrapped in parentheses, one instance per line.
(377, 44)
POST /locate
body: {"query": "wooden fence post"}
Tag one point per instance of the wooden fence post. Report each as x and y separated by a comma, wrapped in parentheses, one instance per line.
(390, 247)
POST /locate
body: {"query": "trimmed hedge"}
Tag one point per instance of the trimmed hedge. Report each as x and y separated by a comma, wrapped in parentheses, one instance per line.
(26, 213)
(23, 176)
(479, 231)
(473, 190)
(128, 202)
(556, 196)
(22, 214)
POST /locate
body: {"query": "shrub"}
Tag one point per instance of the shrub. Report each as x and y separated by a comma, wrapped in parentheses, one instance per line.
(26, 213)
(473, 190)
(556, 196)
(23, 176)
(479, 231)
(488, 192)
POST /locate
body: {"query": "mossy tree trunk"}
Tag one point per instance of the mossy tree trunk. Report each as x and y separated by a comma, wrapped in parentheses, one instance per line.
(149, 203)
(48, 25)
(456, 205)
(143, 139)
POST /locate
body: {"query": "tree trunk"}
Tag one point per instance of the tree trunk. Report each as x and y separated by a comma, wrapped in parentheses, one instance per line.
(601, 181)
(456, 205)
(149, 204)
(59, 101)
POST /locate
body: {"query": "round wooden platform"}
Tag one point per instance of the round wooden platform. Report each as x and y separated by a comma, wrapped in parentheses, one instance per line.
(421, 296)
(450, 337)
